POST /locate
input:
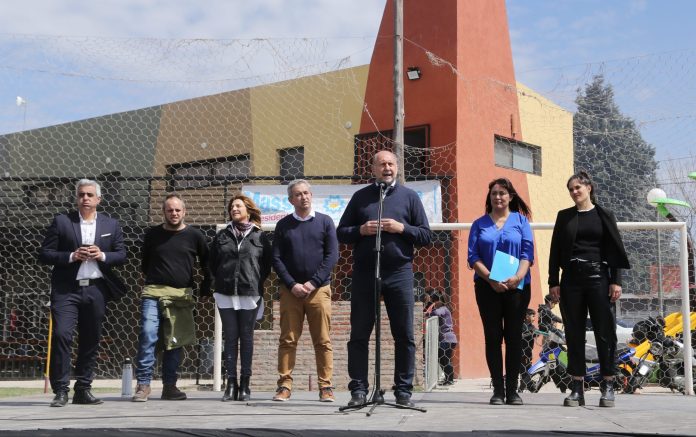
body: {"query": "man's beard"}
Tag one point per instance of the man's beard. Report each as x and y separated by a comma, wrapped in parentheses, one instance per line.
(172, 225)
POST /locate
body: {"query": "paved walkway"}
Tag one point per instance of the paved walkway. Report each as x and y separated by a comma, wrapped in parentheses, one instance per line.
(461, 408)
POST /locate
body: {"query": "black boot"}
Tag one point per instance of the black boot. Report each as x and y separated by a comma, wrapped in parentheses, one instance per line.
(577, 394)
(607, 389)
(511, 396)
(244, 392)
(498, 397)
(232, 390)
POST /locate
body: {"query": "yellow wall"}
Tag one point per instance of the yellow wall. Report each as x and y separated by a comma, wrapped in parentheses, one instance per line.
(311, 112)
(550, 127)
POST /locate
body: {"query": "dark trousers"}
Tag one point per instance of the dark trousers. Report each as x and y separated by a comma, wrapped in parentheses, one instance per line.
(444, 355)
(85, 308)
(238, 331)
(585, 287)
(397, 292)
(502, 315)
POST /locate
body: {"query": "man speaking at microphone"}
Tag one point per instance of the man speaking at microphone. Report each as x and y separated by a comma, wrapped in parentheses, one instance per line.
(404, 225)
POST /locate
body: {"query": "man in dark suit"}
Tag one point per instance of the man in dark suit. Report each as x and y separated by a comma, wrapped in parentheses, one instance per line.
(82, 246)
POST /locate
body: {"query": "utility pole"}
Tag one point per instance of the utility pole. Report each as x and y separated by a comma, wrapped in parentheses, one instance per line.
(399, 112)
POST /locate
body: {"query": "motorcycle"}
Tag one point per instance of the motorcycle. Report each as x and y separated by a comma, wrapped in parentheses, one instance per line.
(624, 365)
(552, 366)
(549, 367)
(664, 360)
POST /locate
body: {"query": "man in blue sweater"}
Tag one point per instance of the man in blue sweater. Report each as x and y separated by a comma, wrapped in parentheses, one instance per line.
(404, 225)
(305, 251)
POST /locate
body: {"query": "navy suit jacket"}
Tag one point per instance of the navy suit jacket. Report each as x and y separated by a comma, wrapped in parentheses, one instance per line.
(64, 236)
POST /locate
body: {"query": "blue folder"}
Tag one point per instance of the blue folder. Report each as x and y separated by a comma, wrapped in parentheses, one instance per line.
(505, 266)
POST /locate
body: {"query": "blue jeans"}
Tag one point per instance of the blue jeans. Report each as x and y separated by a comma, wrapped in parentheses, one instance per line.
(149, 334)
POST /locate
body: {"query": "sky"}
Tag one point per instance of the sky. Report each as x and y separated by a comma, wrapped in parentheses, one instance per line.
(644, 47)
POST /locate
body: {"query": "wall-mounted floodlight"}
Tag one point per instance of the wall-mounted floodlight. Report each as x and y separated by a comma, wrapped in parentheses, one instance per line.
(413, 73)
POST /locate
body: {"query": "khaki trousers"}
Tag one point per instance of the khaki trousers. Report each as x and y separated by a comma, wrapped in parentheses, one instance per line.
(317, 308)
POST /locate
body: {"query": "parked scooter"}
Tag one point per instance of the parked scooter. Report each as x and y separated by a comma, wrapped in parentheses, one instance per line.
(650, 332)
(552, 366)
(664, 360)
(624, 365)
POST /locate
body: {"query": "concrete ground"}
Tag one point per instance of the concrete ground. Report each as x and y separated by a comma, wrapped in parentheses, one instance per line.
(460, 408)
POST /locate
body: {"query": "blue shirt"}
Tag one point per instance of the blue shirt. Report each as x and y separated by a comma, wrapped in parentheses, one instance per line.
(515, 238)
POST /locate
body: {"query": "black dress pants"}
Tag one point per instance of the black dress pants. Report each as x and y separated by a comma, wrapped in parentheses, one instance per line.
(238, 332)
(585, 287)
(85, 308)
(502, 315)
(397, 292)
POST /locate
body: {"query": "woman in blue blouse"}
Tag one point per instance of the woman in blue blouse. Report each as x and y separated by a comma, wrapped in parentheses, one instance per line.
(502, 305)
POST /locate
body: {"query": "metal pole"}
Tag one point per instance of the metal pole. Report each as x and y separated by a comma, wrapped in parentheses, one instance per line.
(686, 312)
(47, 371)
(217, 352)
(660, 297)
(217, 341)
(399, 112)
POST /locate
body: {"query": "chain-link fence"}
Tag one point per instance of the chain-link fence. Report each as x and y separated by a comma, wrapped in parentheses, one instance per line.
(219, 117)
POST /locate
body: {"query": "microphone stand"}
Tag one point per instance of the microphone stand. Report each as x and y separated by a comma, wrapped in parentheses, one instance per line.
(377, 397)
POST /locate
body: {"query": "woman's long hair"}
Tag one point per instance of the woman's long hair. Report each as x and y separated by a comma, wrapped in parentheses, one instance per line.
(253, 210)
(584, 178)
(517, 204)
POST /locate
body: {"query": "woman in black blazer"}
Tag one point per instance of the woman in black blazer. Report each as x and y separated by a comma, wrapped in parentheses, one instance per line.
(587, 246)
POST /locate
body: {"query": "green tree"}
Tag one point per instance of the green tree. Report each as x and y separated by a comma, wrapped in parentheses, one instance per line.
(610, 147)
(622, 164)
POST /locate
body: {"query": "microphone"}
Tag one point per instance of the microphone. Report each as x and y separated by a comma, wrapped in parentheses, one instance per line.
(382, 185)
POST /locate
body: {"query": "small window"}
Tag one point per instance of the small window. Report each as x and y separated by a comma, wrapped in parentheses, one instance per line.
(515, 154)
(416, 152)
(291, 163)
(199, 174)
(57, 193)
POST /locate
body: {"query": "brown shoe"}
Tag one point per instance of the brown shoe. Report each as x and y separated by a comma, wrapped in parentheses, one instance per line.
(326, 394)
(171, 393)
(282, 394)
(142, 391)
